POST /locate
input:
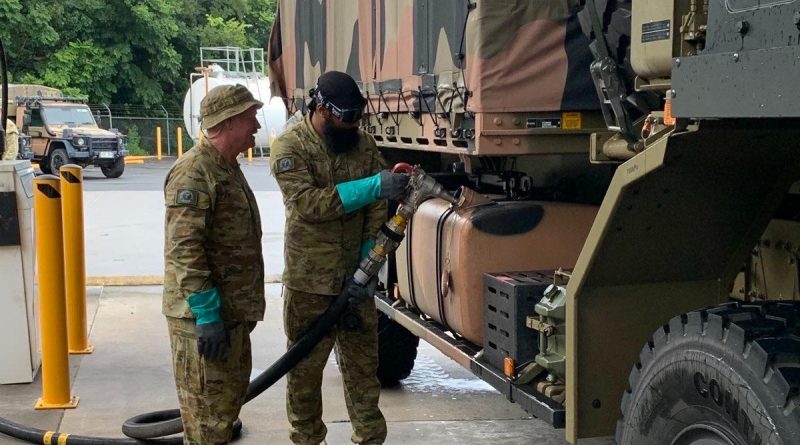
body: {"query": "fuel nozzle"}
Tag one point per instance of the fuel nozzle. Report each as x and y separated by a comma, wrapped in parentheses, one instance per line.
(447, 197)
(425, 187)
(422, 186)
(439, 192)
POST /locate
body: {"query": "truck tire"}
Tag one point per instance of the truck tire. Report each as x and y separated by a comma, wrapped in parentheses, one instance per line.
(397, 350)
(725, 375)
(56, 159)
(114, 171)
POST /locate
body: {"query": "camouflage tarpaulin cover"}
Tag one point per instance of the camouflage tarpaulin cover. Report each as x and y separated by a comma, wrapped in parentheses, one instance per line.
(510, 55)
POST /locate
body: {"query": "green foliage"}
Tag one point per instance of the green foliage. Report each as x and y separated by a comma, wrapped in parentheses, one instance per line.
(133, 142)
(262, 12)
(80, 68)
(124, 51)
(221, 32)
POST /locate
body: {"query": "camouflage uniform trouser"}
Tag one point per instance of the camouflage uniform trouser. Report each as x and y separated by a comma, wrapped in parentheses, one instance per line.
(357, 355)
(210, 393)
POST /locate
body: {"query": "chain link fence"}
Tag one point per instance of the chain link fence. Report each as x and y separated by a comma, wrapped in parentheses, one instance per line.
(140, 125)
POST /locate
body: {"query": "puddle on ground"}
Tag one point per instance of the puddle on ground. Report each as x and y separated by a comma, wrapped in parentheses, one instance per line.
(429, 377)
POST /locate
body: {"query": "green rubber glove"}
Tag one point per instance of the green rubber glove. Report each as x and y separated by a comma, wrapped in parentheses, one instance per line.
(359, 193)
(205, 306)
(213, 340)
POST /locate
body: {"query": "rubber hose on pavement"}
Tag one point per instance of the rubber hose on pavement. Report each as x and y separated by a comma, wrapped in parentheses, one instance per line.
(35, 435)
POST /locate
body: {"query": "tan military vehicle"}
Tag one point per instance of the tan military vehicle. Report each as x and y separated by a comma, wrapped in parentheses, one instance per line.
(62, 130)
(629, 264)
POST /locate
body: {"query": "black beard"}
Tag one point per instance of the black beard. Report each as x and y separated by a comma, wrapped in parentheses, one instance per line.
(339, 140)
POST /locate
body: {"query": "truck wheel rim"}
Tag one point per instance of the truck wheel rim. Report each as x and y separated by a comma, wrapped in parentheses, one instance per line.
(703, 434)
(58, 161)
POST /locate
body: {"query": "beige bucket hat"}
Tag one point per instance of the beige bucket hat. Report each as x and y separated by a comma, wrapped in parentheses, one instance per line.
(224, 102)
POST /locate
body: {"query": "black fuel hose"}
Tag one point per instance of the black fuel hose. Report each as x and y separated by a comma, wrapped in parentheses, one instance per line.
(168, 422)
(35, 435)
(302, 348)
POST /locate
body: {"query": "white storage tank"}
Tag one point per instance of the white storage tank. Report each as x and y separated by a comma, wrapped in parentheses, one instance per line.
(272, 116)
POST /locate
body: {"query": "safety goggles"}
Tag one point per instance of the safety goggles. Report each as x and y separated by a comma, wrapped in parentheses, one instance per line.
(347, 115)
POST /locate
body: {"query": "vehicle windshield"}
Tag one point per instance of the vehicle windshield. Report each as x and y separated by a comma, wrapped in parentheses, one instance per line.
(71, 116)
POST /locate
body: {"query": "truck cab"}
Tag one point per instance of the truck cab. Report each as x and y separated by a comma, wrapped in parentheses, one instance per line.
(64, 131)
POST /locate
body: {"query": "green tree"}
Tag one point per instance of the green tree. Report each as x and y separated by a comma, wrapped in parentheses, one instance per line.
(124, 51)
(262, 16)
(82, 68)
(221, 32)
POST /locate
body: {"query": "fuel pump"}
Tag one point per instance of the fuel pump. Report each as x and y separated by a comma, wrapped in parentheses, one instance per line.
(18, 321)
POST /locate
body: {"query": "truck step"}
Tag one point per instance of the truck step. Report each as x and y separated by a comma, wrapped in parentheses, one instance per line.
(466, 354)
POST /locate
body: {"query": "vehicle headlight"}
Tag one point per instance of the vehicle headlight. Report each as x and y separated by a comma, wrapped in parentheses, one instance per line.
(80, 141)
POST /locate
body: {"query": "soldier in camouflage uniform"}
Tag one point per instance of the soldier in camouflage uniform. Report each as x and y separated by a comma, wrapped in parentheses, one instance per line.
(214, 269)
(334, 191)
(12, 142)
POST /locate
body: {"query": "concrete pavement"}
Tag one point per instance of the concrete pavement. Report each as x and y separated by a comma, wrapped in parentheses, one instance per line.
(124, 222)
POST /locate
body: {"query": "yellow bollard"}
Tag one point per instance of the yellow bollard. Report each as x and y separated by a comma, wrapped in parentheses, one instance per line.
(250, 155)
(74, 258)
(180, 141)
(52, 304)
(158, 142)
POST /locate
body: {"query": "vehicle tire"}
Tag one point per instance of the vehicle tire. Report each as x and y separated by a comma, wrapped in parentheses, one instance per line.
(44, 166)
(397, 350)
(56, 159)
(725, 375)
(114, 171)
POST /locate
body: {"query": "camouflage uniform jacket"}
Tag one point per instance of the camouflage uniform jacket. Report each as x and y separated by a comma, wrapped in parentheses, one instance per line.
(322, 243)
(212, 237)
(12, 142)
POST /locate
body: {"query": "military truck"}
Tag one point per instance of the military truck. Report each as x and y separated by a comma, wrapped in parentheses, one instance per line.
(63, 130)
(625, 261)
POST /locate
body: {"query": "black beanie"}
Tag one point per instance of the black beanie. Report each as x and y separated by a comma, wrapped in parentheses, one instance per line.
(340, 89)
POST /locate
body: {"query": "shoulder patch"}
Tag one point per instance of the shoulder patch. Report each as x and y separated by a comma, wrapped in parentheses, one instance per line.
(284, 164)
(186, 197)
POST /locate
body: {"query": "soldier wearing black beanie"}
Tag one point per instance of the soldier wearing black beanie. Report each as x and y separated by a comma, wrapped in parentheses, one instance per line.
(334, 186)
